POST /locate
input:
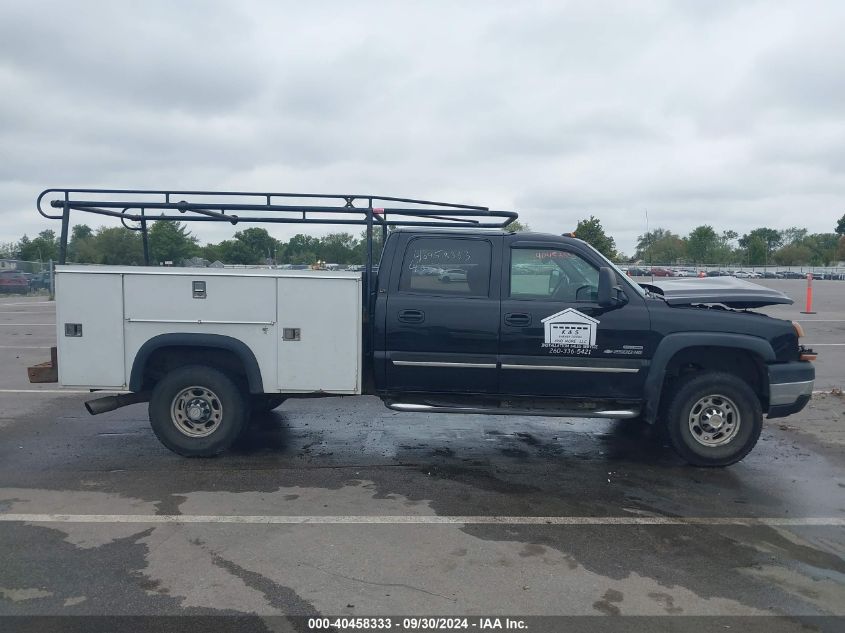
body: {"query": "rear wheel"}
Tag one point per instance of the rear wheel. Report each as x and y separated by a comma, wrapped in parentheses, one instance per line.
(713, 419)
(197, 411)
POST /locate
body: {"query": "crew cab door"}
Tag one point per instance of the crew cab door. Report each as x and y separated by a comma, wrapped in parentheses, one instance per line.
(555, 338)
(442, 315)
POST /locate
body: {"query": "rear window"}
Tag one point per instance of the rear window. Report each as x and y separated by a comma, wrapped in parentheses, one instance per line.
(447, 266)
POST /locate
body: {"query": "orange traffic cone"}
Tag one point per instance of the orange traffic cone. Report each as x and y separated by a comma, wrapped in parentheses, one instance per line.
(809, 307)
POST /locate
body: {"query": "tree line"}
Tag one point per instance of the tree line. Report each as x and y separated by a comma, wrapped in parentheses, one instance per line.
(172, 242)
(762, 246)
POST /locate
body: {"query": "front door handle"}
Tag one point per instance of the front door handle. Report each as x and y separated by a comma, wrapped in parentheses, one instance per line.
(411, 316)
(518, 319)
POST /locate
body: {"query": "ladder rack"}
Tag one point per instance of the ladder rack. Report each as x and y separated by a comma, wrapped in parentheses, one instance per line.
(145, 205)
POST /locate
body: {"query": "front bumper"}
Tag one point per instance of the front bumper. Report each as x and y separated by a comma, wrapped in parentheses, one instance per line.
(790, 387)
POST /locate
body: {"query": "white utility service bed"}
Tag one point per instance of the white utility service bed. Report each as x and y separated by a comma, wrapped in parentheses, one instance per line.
(122, 307)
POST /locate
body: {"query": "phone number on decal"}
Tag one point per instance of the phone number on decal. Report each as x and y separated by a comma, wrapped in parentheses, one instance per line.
(408, 624)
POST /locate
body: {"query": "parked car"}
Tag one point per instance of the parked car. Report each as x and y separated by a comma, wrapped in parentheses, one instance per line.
(684, 272)
(12, 281)
(638, 271)
(662, 272)
(718, 273)
(427, 271)
(772, 275)
(791, 274)
(454, 274)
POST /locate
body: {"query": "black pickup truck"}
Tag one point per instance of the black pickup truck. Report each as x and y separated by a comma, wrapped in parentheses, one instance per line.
(462, 315)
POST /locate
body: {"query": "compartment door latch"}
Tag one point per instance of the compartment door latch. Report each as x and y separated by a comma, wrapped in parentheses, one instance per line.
(73, 329)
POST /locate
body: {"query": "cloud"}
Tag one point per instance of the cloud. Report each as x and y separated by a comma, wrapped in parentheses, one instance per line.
(726, 113)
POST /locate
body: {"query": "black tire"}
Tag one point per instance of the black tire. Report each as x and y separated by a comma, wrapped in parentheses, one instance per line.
(222, 406)
(735, 409)
(264, 403)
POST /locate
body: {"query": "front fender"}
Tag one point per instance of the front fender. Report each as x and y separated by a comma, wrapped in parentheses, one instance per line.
(671, 344)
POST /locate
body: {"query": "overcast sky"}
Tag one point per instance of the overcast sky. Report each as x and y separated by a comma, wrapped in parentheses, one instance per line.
(731, 114)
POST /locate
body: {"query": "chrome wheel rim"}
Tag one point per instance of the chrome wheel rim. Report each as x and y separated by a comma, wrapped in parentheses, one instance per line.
(714, 420)
(196, 411)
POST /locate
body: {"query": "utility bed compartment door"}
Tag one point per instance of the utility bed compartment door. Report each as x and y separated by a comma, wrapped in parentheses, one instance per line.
(320, 329)
(89, 320)
(187, 297)
(192, 302)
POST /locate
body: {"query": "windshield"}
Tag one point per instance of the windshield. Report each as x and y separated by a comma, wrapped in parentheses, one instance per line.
(637, 287)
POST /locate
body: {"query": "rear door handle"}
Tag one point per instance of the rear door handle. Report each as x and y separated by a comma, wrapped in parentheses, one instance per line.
(411, 316)
(518, 319)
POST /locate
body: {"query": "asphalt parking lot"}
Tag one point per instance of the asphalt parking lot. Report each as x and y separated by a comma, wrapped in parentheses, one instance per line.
(343, 507)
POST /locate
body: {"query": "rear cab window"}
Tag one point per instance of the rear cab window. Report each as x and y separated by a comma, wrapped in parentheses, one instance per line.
(447, 266)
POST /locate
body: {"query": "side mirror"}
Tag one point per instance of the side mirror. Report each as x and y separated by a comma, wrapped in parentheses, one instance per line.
(609, 294)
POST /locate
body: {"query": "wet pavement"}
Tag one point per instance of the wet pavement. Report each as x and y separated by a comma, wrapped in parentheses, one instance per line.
(626, 528)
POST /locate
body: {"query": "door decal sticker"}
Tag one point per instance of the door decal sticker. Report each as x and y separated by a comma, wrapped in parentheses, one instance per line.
(570, 332)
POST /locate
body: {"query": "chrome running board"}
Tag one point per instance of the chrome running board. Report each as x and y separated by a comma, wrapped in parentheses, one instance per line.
(616, 414)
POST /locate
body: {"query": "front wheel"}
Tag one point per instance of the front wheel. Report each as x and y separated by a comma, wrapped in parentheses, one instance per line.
(713, 419)
(197, 411)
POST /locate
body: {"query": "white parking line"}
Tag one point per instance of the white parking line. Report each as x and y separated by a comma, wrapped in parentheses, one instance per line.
(29, 303)
(26, 324)
(417, 520)
(22, 347)
(823, 344)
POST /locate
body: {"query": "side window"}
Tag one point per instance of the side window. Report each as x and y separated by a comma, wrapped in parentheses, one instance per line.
(552, 274)
(439, 266)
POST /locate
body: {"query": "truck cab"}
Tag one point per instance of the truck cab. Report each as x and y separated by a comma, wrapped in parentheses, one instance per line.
(538, 324)
(523, 325)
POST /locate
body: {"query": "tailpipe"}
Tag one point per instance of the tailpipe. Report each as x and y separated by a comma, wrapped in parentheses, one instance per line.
(110, 403)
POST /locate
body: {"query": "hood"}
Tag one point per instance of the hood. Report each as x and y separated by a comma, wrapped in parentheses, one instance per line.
(727, 291)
